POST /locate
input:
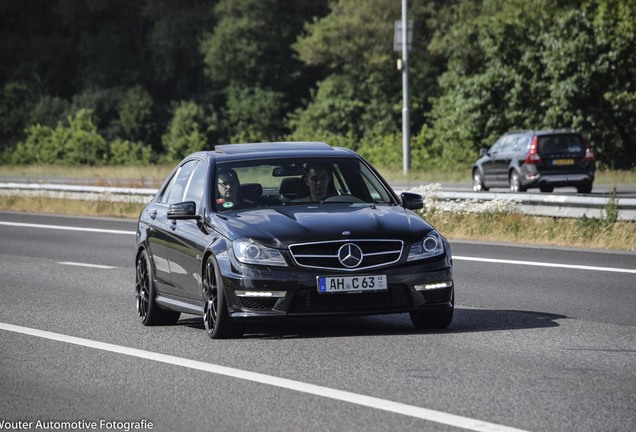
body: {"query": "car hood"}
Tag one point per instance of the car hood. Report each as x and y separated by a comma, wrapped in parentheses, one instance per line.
(281, 226)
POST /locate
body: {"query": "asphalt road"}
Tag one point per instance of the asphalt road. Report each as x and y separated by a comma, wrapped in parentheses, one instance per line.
(543, 340)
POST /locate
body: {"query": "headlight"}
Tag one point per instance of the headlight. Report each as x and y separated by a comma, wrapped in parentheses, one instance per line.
(429, 247)
(250, 252)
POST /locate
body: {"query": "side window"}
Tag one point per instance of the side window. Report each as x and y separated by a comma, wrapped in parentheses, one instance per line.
(508, 143)
(180, 183)
(496, 148)
(522, 144)
(194, 191)
(163, 198)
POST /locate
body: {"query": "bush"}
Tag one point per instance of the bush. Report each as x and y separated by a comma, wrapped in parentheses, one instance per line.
(186, 131)
(135, 114)
(124, 152)
(75, 143)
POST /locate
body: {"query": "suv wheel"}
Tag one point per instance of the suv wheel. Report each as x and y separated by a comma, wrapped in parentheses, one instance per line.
(584, 189)
(515, 182)
(478, 182)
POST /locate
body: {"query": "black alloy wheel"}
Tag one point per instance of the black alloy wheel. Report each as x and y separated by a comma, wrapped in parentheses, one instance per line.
(431, 320)
(148, 312)
(217, 322)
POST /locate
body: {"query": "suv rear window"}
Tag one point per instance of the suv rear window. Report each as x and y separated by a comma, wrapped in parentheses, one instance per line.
(570, 143)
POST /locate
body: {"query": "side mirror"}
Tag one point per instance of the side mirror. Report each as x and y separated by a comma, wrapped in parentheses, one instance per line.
(412, 201)
(483, 152)
(183, 210)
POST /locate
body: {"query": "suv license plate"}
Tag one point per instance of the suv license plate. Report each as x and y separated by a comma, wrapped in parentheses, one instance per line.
(563, 162)
(349, 284)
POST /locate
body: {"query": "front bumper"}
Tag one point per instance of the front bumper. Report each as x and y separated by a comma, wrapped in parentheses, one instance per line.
(256, 293)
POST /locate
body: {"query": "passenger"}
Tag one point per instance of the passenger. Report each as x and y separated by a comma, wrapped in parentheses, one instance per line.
(228, 189)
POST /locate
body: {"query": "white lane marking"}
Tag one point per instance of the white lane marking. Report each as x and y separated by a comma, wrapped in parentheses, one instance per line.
(545, 264)
(70, 263)
(457, 257)
(367, 401)
(67, 228)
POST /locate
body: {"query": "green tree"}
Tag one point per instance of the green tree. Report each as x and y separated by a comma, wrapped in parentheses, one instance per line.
(186, 131)
(361, 93)
(354, 43)
(519, 65)
(252, 67)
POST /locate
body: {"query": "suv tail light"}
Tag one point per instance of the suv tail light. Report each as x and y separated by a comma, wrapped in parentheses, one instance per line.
(533, 155)
(589, 154)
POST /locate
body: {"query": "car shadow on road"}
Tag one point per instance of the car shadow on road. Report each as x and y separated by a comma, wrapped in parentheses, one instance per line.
(465, 320)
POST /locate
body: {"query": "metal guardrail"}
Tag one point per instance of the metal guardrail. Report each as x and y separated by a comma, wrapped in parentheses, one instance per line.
(79, 192)
(569, 206)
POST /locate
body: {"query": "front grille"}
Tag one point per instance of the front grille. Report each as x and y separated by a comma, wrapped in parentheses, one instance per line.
(324, 255)
(257, 303)
(397, 297)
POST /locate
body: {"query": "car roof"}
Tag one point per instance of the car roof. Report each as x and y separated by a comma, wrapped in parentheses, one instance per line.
(273, 150)
(543, 132)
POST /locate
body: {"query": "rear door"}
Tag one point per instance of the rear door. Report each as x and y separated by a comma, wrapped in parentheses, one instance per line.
(502, 161)
(162, 235)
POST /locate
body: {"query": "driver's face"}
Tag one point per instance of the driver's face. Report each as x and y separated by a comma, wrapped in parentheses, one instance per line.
(318, 181)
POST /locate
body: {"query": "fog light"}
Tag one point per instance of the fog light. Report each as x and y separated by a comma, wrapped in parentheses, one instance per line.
(436, 285)
(260, 293)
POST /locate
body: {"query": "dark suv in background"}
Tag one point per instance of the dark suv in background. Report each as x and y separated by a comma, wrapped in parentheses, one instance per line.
(536, 159)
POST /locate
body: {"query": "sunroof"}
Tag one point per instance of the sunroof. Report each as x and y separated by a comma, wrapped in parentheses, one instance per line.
(271, 146)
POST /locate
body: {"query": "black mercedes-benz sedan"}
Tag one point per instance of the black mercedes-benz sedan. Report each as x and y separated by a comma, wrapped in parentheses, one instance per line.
(274, 230)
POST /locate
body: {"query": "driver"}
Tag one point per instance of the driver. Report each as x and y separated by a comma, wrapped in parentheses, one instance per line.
(317, 178)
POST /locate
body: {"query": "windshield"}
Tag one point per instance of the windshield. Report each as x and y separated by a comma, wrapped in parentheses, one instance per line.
(269, 183)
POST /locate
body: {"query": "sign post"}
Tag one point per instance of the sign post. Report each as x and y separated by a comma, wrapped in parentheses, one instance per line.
(402, 39)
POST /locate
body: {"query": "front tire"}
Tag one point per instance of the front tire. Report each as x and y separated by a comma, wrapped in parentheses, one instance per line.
(216, 319)
(148, 311)
(431, 320)
(478, 182)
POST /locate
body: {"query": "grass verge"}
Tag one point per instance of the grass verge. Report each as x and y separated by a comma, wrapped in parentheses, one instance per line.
(71, 207)
(517, 228)
(131, 176)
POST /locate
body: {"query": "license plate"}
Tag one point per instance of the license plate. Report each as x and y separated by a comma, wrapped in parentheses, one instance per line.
(563, 162)
(349, 284)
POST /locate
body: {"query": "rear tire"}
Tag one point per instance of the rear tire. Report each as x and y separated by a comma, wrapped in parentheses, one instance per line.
(586, 189)
(148, 310)
(515, 183)
(216, 319)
